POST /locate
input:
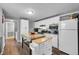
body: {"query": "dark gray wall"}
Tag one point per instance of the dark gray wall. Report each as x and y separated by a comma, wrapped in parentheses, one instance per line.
(1, 44)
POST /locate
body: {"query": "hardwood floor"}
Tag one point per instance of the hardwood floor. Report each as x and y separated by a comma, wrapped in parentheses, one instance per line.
(10, 48)
(23, 51)
(14, 48)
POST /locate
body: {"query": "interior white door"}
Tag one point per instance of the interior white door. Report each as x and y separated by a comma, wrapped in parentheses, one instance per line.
(10, 28)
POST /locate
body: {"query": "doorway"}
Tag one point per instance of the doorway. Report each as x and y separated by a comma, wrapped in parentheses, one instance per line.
(9, 29)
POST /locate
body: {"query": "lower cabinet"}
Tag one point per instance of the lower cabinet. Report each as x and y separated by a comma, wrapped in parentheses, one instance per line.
(68, 41)
(44, 48)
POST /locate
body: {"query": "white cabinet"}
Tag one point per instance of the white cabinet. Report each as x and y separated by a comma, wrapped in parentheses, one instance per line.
(68, 36)
(47, 22)
(68, 24)
(44, 48)
(55, 40)
(68, 41)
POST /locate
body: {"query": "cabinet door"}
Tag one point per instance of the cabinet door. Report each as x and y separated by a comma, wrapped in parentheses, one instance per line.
(55, 41)
(68, 24)
(68, 41)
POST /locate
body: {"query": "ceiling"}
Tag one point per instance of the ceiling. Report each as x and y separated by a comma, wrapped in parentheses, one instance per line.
(42, 10)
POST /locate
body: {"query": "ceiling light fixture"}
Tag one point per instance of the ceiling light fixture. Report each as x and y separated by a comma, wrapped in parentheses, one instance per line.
(30, 12)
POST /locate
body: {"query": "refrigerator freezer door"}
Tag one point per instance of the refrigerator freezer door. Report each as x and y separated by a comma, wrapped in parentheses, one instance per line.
(68, 24)
(68, 41)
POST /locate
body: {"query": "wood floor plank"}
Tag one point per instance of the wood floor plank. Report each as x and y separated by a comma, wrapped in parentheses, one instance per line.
(11, 48)
(14, 48)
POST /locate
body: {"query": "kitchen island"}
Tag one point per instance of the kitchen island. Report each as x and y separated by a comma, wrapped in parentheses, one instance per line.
(40, 44)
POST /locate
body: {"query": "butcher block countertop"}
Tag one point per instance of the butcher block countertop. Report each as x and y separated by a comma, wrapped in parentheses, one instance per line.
(37, 38)
(40, 40)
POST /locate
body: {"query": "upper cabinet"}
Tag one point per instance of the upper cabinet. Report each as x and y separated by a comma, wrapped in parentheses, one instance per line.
(47, 22)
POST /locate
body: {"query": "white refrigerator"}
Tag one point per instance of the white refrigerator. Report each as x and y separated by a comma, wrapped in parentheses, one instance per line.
(68, 36)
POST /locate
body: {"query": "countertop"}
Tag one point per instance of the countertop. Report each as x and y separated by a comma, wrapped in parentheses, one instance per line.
(37, 38)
